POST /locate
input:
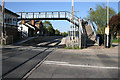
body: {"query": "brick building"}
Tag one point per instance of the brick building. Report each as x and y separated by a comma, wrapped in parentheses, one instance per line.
(30, 28)
(39, 25)
(11, 31)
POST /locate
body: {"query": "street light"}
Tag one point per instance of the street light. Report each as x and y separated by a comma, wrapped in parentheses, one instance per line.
(90, 13)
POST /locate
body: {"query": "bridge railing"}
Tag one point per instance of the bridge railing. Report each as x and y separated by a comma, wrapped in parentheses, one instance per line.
(50, 14)
(55, 14)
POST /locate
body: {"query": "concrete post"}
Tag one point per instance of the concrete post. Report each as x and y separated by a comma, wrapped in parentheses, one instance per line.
(80, 25)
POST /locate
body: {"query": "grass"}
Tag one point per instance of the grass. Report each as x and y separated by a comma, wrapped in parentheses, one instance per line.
(116, 40)
(77, 47)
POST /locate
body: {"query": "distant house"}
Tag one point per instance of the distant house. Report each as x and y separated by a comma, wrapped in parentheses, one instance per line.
(39, 25)
(29, 29)
(26, 30)
(10, 27)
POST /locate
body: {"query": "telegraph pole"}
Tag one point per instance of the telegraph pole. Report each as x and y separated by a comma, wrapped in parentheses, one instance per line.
(2, 28)
(72, 32)
(107, 29)
(72, 16)
(72, 7)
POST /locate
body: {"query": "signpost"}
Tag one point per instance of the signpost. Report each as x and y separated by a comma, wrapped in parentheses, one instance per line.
(107, 28)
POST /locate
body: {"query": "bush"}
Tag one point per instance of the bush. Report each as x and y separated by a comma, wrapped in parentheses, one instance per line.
(116, 40)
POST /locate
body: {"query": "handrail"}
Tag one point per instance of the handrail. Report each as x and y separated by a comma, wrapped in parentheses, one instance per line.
(43, 11)
(93, 28)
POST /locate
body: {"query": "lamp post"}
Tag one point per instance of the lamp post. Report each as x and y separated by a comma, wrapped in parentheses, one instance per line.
(107, 28)
(90, 13)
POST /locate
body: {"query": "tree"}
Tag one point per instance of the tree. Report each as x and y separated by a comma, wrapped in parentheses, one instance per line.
(49, 27)
(64, 34)
(47, 24)
(99, 16)
(51, 31)
(57, 32)
(115, 24)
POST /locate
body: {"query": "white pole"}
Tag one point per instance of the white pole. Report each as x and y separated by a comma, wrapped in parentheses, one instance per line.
(107, 13)
(107, 22)
(72, 23)
(80, 33)
(72, 2)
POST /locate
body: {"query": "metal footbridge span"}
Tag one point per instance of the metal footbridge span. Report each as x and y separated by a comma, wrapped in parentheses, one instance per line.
(49, 15)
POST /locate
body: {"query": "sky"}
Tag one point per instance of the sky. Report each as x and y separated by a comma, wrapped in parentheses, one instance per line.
(63, 26)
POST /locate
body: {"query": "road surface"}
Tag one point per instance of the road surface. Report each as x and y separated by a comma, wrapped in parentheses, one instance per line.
(44, 60)
(17, 61)
(88, 63)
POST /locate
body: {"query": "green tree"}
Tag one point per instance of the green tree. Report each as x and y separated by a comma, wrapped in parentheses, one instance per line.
(99, 16)
(57, 32)
(47, 24)
(64, 34)
(51, 31)
(49, 27)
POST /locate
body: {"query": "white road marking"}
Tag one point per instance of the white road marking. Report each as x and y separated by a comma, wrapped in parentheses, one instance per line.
(44, 43)
(56, 62)
(74, 65)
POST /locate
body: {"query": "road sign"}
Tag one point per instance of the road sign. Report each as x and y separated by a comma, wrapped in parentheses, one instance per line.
(107, 30)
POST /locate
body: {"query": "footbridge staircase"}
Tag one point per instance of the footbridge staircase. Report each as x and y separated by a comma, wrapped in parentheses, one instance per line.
(91, 33)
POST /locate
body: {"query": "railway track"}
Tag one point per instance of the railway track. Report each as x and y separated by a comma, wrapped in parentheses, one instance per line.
(13, 54)
(25, 62)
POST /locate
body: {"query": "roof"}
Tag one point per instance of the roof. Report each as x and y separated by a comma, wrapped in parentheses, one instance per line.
(30, 24)
(38, 22)
(9, 11)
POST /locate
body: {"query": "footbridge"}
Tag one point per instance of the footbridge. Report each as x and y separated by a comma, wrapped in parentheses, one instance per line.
(56, 15)
(49, 15)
